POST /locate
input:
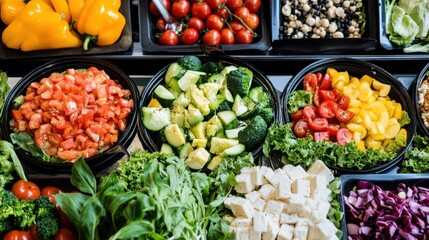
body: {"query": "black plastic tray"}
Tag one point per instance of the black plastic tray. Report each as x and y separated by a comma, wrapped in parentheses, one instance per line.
(123, 44)
(385, 181)
(367, 43)
(149, 44)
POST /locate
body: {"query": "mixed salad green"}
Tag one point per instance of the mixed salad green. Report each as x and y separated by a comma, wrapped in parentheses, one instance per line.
(416, 159)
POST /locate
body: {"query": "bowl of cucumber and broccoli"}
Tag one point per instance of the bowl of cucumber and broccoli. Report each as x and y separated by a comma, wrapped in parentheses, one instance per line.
(203, 109)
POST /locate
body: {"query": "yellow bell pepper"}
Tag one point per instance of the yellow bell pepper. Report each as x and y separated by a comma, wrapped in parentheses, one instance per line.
(38, 27)
(62, 7)
(9, 10)
(75, 7)
(101, 21)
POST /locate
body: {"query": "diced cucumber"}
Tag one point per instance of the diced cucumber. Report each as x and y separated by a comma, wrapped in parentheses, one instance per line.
(183, 99)
(227, 94)
(165, 148)
(197, 158)
(174, 86)
(184, 150)
(174, 135)
(194, 115)
(174, 70)
(214, 162)
(233, 133)
(189, 135)
(239, 106)
(235, 150)
(164, 96)
(228, 118)
(199, 100)
(155, 118)
(253, 109)
(190, 78)
(218, 145)
(217, 78)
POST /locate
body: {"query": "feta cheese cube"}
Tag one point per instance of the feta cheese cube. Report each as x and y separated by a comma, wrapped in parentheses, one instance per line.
(300, 232)
(288, 218)
(241, 222)
(302, 222)
(242, 233)
(317, 184)
(260, 222)
(305, 212)
(253, 196)
(325, 229)
(242, 207)
(264, 169)
(259, 205)
(288, 168)
(297, 173)
(272, 231)
(311, 203)
(296, 203)
(274, 207)
(269, 174)
(319, 168)
(257, 175)
(279, 176)
(323, 208)
(254, 235)
(301, 187)
(274, 218)
(228, 200)
(283, 190)
(285, 232)
(322, 195)
(315, 216)
(244, 183)
(267, 191)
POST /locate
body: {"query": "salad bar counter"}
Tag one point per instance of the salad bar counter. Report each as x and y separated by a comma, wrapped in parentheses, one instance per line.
(291, 119)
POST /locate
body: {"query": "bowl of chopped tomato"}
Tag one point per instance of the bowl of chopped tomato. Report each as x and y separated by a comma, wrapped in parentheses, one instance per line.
(70, 108)
(352, 114)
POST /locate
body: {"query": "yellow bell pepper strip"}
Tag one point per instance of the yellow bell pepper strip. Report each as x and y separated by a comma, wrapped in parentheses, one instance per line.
(9, 10)
(62, 7)
(101, 21)
(75, 7)
(38, 27)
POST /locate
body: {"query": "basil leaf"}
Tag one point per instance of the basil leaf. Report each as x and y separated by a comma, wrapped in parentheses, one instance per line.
(117, 204)
(92, 211)
(134, 230)
(71, 204)
(8, 148)
(83, 178)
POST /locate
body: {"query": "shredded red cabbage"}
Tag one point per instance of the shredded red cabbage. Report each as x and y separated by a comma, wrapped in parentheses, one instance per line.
(374, 213)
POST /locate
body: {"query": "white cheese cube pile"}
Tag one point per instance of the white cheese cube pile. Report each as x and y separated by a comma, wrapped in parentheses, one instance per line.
(285, 204)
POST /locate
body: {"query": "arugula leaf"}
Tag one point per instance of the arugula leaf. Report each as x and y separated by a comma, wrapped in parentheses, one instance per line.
(298, 99)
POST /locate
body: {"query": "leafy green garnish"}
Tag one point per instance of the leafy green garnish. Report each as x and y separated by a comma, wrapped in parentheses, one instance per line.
(4, 89)
(416, 159)
(26, 143)
(298, 99)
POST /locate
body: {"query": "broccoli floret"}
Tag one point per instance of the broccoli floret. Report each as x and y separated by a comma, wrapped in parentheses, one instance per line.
(44, 207)
(47, 218)
(254, 133)
(258, 94)
(24, 216)
(212, 67)
(7, 203)
(190, 62)
(239, 81)
(268, 115)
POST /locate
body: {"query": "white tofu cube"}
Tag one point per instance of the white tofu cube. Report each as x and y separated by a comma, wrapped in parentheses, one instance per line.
(244, 183)
(259, 205)
(319, 168)
(267, 191)
(257, 175)
(279, 176)
(242, 233)
(274, 207)
(263, 170)
(253, 196)
(314, 233)
(288, 168)
(300, 232)
(302, 222)
(245, 170)
(274, 218)
(323, 208)
(301, 187)
(242, 207)
(315, 216)
(305, 212)
(228, 200)
(241, 222)
(326, 229)
(272, 231)
(322, 196)
(311, 203)
(283, 191)
(269, 174)
(297, 173)
(260, 222)
(286, 218)
(285, 232)
(296, 203)
(317, 184)
(254, 235)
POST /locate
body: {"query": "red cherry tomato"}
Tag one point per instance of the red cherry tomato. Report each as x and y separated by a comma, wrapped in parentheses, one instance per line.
(337, 93)
(301, 128)
(160, 23)
(310, 112)
(223, 13)
(243, 36)
(169, 38)
(64, 220)
(332, 129)
(326, 83)
(297, 115)
(252, 5)
(344, 136)
(50, 192)
(33, 232)
(214, 22)
(242, 13)
(214, 4)
(196, 24)
(316, 98)
(319, 76)
(327, 109)
(234, 4)
(344, 115)
(17, 235)
(154, 10)
(189, 36)
(252, 21)
(25, 190)
(235, 26)
(318, 124)
(212, 37)
(65, 234)
(327, 95)
(344, 102)
(180, 8)
(227, 36)
(310, 82)
(201, 10)
(321, 136)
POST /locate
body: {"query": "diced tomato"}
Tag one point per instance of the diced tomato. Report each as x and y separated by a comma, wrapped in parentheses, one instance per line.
(327, 95)
(321, 136)
(327, 109)
(310, 82)
(301, 128)
(297, 115)
(68, 144)
(344, 102)
(318, 124)
(344, 136)
(17, 115)
(35, 121)
(310, 112)
(344, 115)
(332, 129)
(326, 82)
(122, 124)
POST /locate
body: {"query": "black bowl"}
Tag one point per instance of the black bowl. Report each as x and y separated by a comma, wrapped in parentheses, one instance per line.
(421, 128)
(99, 161)
(358, 68)
(147, 137)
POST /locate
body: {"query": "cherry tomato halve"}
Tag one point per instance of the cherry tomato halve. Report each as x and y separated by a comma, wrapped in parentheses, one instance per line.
(25, 190)
(326, 83)
(310, 112)
(344, 115)
(327, 109)
(301, 128)
(310, 82)
(297, 115)
(321, 136)
(318, 124)
(332, 129)
(327, 95)
(344, 136)
(344, 102)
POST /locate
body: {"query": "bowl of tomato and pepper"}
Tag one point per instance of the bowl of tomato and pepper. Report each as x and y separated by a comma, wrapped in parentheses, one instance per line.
(359, 117)
(70, 108)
